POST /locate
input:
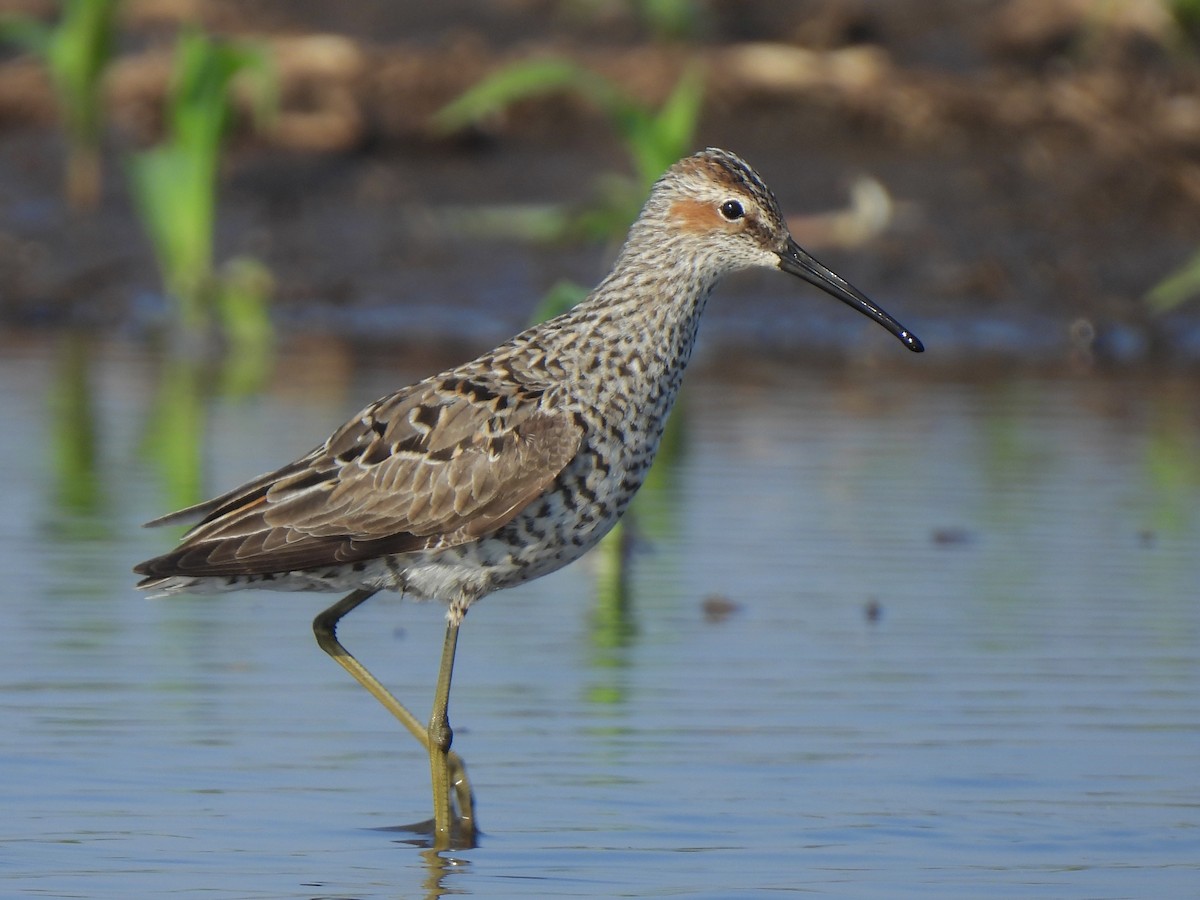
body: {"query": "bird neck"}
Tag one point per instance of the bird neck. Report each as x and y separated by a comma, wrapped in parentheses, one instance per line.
(648, 308)
(632, 337)
(635, 331)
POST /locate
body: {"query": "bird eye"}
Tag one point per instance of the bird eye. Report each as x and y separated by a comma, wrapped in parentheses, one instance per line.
(732, 210)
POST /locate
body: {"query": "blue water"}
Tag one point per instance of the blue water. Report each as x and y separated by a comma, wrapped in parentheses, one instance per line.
(885, 637)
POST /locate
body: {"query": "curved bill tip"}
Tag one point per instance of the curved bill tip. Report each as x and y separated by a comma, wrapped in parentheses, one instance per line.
(797, 261)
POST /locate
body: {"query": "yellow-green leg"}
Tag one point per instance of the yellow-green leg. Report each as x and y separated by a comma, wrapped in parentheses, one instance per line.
(440, 737)
(449, 772)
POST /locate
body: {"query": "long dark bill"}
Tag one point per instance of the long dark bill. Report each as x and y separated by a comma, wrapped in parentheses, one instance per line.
(796, 260)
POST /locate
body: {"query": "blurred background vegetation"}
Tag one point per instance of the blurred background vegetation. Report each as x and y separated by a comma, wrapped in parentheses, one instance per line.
(1018, 180)
(1024, 172)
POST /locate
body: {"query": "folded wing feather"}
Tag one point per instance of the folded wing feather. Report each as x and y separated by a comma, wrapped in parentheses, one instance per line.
(420, 469)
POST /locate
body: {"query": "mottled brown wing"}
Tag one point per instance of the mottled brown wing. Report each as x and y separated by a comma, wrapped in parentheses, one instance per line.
(436, 465)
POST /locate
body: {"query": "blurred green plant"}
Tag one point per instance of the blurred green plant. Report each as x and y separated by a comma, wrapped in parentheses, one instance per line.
(665, 19)
(1186, 15)
(1172, 463)
(654, 138)
(245, 286)
(74, 437)
(669, 18)
(562, 296)
(174, 438)
(76, 51)
(175, 183)
(1177, 288)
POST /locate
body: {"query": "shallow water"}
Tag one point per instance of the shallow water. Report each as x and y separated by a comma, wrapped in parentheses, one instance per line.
(882, 638)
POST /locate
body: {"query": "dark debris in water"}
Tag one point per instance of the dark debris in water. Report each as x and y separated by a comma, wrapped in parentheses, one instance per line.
(952, 536)
(718, 607)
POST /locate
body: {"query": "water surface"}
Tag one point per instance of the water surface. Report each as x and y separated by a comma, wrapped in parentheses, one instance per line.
(881, 638)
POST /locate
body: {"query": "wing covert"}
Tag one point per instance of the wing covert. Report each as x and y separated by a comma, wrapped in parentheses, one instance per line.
(439, 464)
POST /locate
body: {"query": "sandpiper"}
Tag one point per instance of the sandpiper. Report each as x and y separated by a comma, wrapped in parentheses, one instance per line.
(509, 466)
